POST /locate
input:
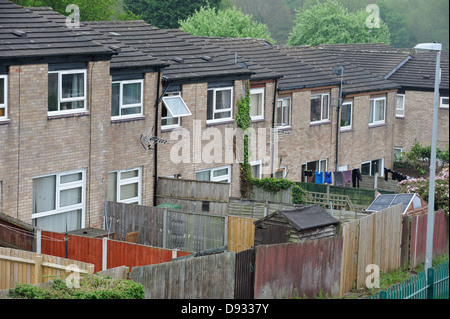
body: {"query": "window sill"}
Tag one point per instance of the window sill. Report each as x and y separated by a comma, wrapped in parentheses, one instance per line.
(345, 130)
(284, 128)
(67, 115)
(399, 116)
(216, 122)
(258, 120)
(5, 122)
(130, 119)
(170, 129)
(319, 123)
(377, 125)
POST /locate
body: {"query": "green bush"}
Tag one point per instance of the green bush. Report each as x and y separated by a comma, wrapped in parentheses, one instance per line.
(275, 185)
(91, 287)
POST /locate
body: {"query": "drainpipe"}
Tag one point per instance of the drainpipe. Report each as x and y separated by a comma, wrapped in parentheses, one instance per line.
(338, 119)
(155, 160)
(273, 125)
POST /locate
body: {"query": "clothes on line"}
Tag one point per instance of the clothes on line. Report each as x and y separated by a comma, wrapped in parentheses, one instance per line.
(395, 175)
(319, 177)
(328, 178)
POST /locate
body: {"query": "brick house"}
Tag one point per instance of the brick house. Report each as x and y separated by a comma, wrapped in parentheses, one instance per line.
(59, 160)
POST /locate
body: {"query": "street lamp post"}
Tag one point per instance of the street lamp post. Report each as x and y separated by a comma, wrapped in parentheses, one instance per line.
(430, 220)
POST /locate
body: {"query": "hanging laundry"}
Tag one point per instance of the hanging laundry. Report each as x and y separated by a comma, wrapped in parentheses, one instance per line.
(311, 179)
(319, 177)
(347, 176)
(338, 179)
(328, 178)
(356, 177)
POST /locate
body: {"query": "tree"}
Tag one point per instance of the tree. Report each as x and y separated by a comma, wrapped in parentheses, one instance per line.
(331, 23)
(99, 10)
(229, 22)
(166, 14)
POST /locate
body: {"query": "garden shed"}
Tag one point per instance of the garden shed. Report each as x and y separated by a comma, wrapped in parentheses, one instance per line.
(304, 223)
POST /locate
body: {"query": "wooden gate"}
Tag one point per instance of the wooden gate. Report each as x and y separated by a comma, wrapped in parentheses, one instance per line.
(245, 274)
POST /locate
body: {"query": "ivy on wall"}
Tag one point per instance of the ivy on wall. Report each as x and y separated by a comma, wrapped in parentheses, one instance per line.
(275, 185)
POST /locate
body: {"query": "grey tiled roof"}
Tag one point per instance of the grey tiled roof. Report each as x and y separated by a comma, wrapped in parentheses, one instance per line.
(297, 75)
(187, 61)
(126, 56)
(24, 34)
(356, 79)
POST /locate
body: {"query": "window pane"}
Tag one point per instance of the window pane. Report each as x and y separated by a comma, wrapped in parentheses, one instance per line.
(286, 111)
(115, 99)
(256, 103)
(72, 85)
(52, 92)
(379, 110)
(324, 107)
(128, 191)
(2, 91)
(2, 111)
(346, 115)
(71, 178)
(44, 194)
(222, 115)
(72, 105)
(60, 222)
(279, 113)
(129, 174)
(315, 109)
(365, 168)
(375, 167)
(223, 99)
(220, 172)
(131, 93)
(112, 187)
(176, 106)
(255, 171)
(70, 197)
(131, 110)
(210, 105)
(202, 176)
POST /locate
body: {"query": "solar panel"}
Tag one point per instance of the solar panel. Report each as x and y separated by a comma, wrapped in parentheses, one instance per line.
(387, 200)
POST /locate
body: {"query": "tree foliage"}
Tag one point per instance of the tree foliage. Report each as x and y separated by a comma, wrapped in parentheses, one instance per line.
(229, 22)
(331, 23)
(166, 14)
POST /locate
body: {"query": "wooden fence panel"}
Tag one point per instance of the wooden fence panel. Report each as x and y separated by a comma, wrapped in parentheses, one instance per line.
(24, 267)
(350, 233)
(419, 237)
(298, 269)
(16, 234)
(241, 233)
(245, 274)
(207, 277)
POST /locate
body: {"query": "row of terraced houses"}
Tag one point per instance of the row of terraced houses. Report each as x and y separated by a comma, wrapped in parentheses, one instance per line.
(97, 113)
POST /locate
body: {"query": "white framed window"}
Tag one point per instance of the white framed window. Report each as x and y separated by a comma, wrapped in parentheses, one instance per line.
(173, 109)
(284, 112)
(59, 201)
(398, 153)
(320, 107)
(400, 109)
(257, 104)
(125, 186)
(3, 97)
(377, 110)
(256, 167)
(346, 116)
(66, 91)
(372, 167)
(280, 172)
(443, 102)
(218, 174)
(219, 104)
(127, 99)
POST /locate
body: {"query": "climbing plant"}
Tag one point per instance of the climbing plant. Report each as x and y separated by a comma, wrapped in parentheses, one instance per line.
(275, 185)
(243, 121)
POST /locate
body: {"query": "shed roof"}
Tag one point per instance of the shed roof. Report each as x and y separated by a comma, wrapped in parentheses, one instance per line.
(303, 218)
(25, 34)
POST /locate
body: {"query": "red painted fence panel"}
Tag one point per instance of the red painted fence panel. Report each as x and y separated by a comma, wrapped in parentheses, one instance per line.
(90, 250)
(298, 269)
(419, 237)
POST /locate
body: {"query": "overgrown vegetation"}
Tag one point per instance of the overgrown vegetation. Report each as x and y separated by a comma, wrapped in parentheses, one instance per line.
(91, 287)
(275, 185)
(418, 158)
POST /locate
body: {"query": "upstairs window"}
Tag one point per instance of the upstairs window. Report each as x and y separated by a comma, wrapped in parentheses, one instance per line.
(173, 109)
(377, 110)
(66, 91)
(219, 104)
(257, 104)
(284, 112)
(443, 102)
(346, 116)
(127, 99)
(320, 107)
(400, 109)
(3, 97)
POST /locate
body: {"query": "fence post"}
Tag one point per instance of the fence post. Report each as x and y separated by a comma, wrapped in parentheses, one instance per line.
(38, 240)
(38, 270)
(430, 283)
(105, 253)
(165, 228)
(225, 231)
